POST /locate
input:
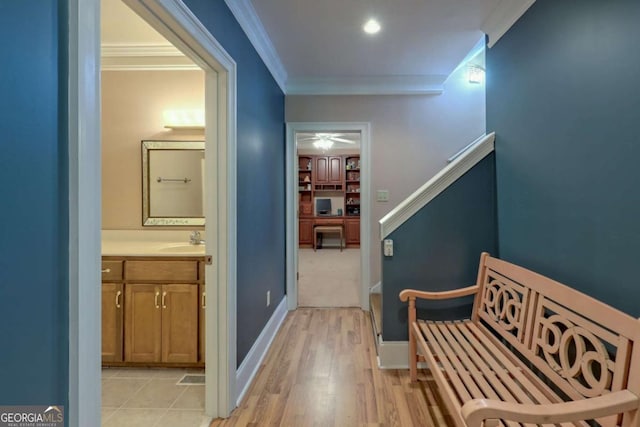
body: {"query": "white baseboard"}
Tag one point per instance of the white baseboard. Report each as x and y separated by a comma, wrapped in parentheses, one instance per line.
(376, 289)
(251, 363)
(394, 355)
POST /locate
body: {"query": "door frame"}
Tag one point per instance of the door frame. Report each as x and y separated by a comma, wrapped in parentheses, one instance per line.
(176, 22)
(292, 203)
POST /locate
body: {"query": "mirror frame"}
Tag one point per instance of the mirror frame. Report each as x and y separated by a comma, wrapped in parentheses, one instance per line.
(147, 219)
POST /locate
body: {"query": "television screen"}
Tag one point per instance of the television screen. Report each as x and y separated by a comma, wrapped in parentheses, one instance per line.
(323, 206)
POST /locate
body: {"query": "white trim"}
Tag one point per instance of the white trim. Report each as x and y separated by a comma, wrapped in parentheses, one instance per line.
(84, 212)
(138, 50)
(376, 289)
(395, 355)
(173, 20)
(248, 19)
(144, 57)
(108, 65)
(447, 176)
(292, 204)
(251, 363)
(368, 85)
(502, 18)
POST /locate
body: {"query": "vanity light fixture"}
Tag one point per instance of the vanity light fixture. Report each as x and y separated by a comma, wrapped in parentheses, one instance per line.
(475, 74)
(372, 26)
(183, 119)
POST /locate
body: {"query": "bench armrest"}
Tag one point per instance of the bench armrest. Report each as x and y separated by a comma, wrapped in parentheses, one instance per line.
(476, 411)
(456, 293)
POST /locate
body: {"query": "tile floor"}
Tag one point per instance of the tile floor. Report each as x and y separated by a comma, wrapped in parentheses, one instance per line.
(329, 278)
(134, 397)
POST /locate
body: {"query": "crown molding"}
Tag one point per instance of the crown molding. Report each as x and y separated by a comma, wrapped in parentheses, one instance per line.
(368, 85)
(110, 50)
(503, 16)
(248, 19)
(144, 57)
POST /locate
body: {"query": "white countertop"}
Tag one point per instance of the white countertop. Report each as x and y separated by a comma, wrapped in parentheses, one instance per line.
(149, 243)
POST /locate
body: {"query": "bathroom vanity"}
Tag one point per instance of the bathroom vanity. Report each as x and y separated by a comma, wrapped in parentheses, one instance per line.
(153, 303)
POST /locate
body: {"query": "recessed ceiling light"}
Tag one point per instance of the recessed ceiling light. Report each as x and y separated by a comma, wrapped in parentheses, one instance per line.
(371, 26)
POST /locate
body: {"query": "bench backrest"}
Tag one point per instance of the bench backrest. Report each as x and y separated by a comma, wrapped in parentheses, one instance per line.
(584, 347)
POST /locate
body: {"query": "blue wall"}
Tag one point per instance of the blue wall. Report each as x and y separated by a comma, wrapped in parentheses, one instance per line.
(261, 175)
(563, 96)
(439, 248)
(33, 228)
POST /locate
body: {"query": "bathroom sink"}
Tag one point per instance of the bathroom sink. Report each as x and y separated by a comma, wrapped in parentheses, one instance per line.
(183, 248)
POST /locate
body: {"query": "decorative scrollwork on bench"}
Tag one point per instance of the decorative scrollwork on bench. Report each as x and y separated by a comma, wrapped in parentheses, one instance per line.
(575, 354)
(503, 304)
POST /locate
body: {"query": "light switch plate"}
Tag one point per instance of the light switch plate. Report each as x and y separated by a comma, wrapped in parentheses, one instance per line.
(382, 195)
(388, 247)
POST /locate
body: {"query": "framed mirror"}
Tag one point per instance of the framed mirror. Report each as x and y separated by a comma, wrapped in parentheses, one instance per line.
(172, 183)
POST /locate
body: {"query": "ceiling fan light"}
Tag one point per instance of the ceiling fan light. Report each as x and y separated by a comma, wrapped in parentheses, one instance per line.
(323, 144)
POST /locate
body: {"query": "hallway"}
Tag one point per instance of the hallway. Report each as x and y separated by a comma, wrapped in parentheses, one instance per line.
(322, 371)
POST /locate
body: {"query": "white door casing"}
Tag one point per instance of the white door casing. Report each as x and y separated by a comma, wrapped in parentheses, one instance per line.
(174, 21)
(292, 203)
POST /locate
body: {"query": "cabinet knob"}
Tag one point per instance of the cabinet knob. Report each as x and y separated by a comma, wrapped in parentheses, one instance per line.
(106, 270)
(156, 299)
(164, 295)
(118, 294)
(203, 300)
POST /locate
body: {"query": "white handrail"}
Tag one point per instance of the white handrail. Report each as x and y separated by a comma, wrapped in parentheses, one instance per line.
(458, 165)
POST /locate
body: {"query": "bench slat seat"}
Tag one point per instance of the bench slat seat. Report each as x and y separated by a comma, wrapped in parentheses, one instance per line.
(476, 368)
(533, 353)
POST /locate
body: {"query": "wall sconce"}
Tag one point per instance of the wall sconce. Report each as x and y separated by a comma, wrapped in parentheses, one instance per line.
(475, 74)
(183, 119)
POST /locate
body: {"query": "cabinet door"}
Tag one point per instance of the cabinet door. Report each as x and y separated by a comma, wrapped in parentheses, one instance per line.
(352, 231)
(143, 323)
(305, 232)
(112, 313)
(321, 170)
(179, 323)
(335, 170)
(201, 324)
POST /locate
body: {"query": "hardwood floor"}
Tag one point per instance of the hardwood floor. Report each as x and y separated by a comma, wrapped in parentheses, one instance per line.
(322, 371)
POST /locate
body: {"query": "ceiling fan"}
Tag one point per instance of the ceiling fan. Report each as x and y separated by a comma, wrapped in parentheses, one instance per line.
(324, 141)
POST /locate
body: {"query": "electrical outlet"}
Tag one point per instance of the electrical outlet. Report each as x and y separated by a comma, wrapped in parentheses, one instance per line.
(268, 298)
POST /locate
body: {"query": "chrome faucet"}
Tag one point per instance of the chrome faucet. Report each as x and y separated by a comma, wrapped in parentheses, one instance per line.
(194, 238)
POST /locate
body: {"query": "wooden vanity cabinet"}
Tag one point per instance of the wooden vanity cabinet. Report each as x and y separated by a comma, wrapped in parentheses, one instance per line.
(201, 324)
(112, 314)
(180, 323)
(143, 324)
(159, 313)
(112, 311)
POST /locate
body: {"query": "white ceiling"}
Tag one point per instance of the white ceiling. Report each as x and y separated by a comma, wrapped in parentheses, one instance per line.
(324, 39)
(318, 46)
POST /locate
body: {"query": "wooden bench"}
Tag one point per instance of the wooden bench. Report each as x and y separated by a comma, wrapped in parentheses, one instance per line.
(534, 352)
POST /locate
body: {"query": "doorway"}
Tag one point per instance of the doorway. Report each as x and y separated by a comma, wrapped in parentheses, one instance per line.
(305, 194)
(177, 24)
(328, 218)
